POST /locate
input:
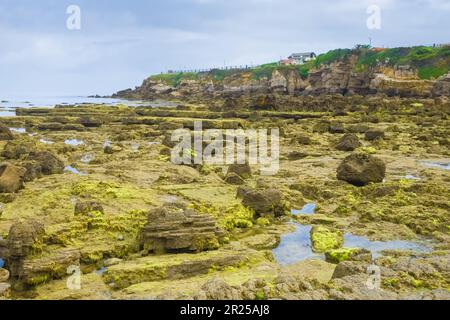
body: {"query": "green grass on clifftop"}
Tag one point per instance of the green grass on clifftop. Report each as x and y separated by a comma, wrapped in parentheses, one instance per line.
(430, 62)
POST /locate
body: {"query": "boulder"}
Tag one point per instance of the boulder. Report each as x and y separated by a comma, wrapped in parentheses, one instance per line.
(372, 135)
(234, 179)
(361, 169)
(46, 162)
(11, 178)
(242, 170)
(264, 202)
(174, 228)
(5, 133)
(324, 239)
(86, 207)
(348, 142)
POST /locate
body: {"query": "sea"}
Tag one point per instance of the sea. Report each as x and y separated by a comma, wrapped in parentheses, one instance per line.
(8, 105)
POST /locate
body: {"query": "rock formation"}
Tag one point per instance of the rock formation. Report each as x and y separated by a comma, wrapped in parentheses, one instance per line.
(348, 142)
(175, 228)
(361, 169)
(264, 202)
(11, 178)
(324, 239)
(23, 239)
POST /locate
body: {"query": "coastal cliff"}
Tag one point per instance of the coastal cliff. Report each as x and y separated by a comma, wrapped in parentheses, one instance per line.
(421, 72)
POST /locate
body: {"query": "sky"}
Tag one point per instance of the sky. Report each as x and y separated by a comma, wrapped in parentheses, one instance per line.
(120, 43)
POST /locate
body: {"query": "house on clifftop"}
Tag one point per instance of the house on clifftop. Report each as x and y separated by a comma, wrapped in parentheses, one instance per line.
(301, 58)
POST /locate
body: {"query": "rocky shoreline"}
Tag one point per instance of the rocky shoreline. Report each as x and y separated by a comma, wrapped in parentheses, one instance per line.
(92, 186)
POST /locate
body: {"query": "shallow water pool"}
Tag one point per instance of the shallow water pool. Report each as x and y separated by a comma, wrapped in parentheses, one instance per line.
(352, 241)
(18, 130)
(73, 170)
(438, 165)
(296, 246)
(74, 142)
(307, 210)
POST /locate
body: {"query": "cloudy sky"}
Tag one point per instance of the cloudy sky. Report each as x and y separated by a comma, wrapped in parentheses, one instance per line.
(122, 42)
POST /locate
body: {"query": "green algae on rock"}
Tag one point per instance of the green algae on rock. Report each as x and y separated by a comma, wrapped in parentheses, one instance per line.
(324, 239)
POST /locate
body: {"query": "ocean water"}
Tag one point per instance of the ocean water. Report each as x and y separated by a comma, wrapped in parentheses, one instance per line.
(8, 105)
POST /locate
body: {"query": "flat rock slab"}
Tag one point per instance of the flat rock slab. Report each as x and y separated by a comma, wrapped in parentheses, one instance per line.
(176, 266)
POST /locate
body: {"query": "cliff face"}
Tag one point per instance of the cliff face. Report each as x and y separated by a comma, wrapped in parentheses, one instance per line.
(338, 77)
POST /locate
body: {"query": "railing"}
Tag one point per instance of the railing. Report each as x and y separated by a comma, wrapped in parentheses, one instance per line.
(226, 68)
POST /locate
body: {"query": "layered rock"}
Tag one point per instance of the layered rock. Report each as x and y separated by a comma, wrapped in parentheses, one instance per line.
(23, 239)
(174, 228)
(53, 266)
(442, 86)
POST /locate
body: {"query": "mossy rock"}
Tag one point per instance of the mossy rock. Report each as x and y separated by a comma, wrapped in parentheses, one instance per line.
(344, 254)
(324, 239)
